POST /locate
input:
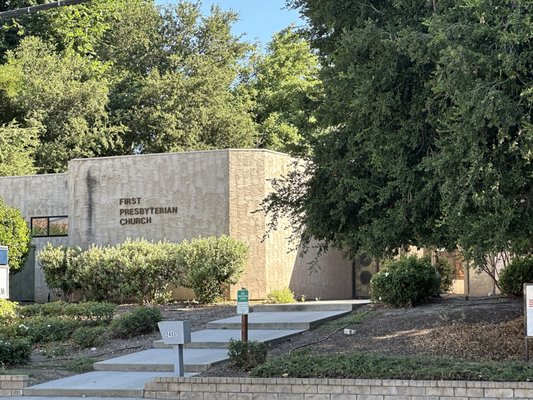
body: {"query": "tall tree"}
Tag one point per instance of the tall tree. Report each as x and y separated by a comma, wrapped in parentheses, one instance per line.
(286, 88)
(62, 96)
(17, 146)
(14, 233)
(176, 72)
(428, 109)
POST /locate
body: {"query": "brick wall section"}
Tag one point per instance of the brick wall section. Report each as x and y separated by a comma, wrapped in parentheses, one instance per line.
(210, 388)
(12, 385)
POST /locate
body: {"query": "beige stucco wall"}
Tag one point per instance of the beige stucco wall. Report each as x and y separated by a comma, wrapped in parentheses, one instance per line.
(246, 190)
(327, 278)
(274, 262)
(195, 183)
(281, 254)
(38, 196)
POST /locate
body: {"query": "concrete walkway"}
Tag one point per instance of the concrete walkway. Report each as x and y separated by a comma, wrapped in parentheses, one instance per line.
(126, 376)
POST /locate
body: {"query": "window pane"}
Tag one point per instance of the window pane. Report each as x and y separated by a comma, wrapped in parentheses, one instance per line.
(39, 226)
(58, 226)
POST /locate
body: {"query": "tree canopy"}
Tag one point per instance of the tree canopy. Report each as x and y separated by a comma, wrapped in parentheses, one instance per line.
(113, 77)
(15, 234)
(286, 87)
(427, 114)
(17, 146)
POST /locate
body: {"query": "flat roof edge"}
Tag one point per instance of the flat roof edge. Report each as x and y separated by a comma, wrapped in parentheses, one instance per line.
(181, 153)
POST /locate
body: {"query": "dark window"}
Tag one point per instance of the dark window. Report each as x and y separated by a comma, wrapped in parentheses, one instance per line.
(49, 226)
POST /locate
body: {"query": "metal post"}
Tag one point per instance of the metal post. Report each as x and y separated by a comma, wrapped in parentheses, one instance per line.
(178, 361)
(244, 327)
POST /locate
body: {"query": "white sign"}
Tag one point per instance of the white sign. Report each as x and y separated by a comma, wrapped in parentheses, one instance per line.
(175, 332)
(528, 312)
(243, 307)
(4, 282)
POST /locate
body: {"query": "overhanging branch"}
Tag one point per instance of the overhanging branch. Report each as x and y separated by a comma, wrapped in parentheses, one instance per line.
(41, 7)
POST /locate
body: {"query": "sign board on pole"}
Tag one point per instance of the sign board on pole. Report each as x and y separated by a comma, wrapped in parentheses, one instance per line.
(175, 332)
(528, 308)
(3, 255)
(4, 273)
(4, 282)
(243, 307)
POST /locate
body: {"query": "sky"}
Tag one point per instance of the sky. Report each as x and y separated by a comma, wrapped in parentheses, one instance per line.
(259, 19)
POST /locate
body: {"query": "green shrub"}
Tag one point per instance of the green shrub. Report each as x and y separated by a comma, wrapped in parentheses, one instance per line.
(8, 310)
(446, 271)
(139, 269)
(80, 365)
(54, 349)
(89, 336)
(14, 351)
(46, 329)
(15, 234)
(354, 365)
(88, 313)
(514, 275)
(246, 355)
(406, 282)
(62, 268)
(136, 322)
(281, 296)
(212, 264)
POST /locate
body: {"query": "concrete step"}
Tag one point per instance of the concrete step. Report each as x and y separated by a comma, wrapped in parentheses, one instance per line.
(195, 360)
(96, 384)
(328, 305)
(286, 320)
(219, 338)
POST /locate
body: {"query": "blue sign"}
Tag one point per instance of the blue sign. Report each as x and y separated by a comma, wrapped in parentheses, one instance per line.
(3, 255)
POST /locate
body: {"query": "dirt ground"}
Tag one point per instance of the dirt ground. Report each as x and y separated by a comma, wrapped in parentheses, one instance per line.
(481, 328)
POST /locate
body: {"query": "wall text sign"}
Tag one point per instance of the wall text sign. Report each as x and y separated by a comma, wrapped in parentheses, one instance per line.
(133, 211)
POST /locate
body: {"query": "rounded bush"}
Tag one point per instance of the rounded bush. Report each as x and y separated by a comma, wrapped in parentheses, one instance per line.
(135, 322)
(514, 275)
(15, 234)
(14, 351)
(46, 329)
(281, 296)
(8, 310)
(89, 336)
(247, 355)
(406, 282)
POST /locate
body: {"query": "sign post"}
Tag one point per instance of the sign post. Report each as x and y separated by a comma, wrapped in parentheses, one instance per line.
(243, 309)
(4, 273)
(528, 314)
(176, 333)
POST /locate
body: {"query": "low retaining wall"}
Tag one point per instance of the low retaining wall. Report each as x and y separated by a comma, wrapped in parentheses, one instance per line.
(12, 385)
(210, 388)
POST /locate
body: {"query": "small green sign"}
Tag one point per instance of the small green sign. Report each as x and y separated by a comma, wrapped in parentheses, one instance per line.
(243, 307)
(242, 296)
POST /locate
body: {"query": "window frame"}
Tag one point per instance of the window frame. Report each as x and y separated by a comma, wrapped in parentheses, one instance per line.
(47, 234)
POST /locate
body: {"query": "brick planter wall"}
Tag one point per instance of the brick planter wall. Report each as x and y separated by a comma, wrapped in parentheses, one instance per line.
(210, 388)
(12, 385)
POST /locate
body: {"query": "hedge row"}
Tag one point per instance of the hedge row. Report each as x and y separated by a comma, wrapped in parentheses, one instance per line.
(141, 270)
(80, 325)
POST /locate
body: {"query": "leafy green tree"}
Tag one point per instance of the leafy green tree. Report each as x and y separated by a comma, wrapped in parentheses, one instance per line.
(15, 234)
(175, 75)
(165, 79)
(286, 86)
(67, 108)
(428, 112)
(17, 146)
(79, 27)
